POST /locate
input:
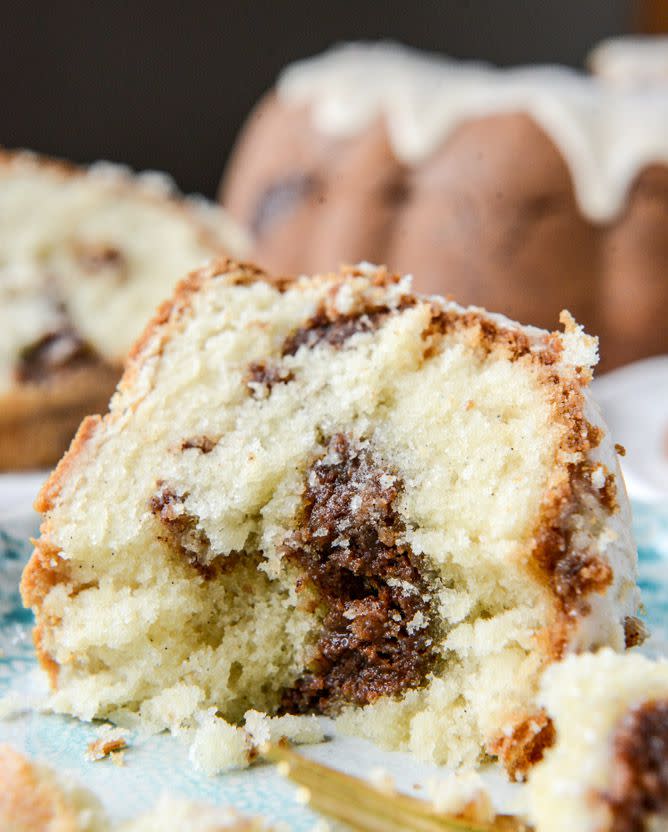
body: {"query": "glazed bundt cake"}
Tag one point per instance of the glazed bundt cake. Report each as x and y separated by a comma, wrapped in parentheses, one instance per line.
(331, 495)
(85, 258)
(608, 770)
(525, 190)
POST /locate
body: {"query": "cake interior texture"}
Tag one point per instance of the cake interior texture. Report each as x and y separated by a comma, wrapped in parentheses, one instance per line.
(329, 495)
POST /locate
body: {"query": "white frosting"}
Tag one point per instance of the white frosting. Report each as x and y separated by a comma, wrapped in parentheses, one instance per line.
(606, 134)
(631, 61)
(613, 543)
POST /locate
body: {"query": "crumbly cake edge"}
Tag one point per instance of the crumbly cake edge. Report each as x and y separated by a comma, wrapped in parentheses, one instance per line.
(572, 405)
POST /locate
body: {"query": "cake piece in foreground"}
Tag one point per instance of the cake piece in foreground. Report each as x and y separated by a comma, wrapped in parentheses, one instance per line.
(37, 798)
(608, 771)
(33, 798)
(331, 495)
(85, 258)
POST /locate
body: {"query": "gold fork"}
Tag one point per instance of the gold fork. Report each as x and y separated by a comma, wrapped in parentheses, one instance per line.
(363, 807)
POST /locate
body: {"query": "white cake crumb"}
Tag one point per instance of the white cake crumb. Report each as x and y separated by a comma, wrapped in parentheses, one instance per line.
(463, 794)
(262, 728)
(211, 609)
(111, 740)
(580, 349)
(382, 780)
(303, 795)
(218, 746)
(173, 708)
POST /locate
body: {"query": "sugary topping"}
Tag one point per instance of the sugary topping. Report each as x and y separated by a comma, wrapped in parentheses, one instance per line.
(606, 134)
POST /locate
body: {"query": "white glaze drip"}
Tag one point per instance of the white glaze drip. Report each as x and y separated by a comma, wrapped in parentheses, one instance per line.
(631, 61)
(606, 134)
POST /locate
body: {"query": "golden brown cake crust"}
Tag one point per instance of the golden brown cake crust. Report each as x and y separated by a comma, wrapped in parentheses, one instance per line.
(38, 420)
(39, 416)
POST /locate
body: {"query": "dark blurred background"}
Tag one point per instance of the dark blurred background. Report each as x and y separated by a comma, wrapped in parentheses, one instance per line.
(167, 84)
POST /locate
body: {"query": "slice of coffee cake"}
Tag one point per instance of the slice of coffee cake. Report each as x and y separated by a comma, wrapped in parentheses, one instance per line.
(331, 495)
